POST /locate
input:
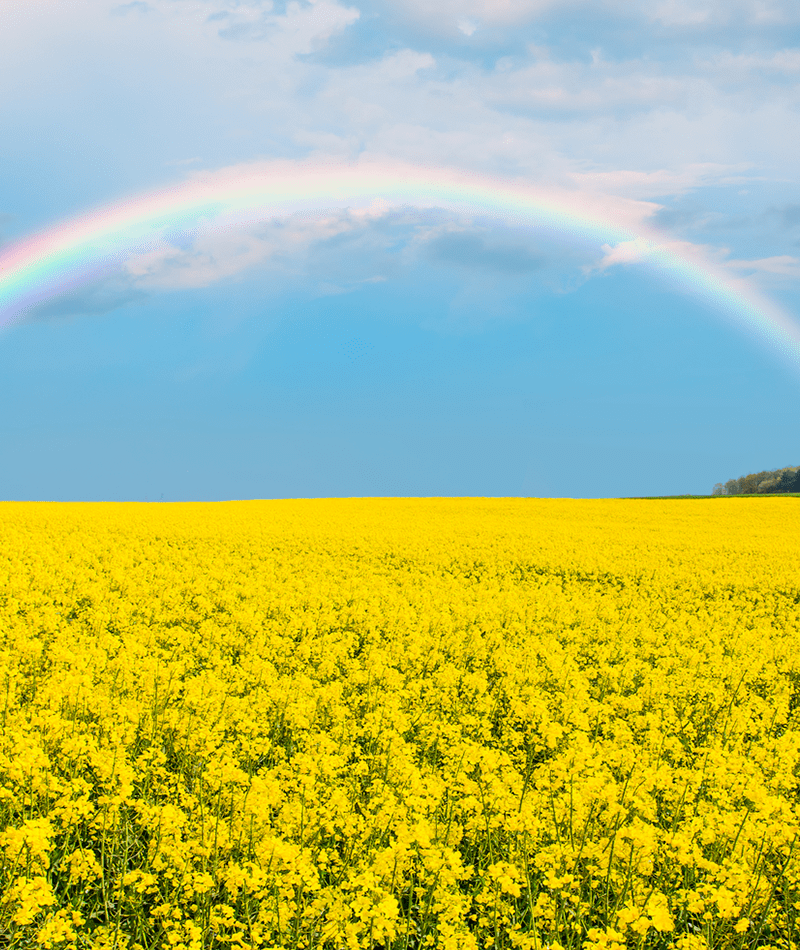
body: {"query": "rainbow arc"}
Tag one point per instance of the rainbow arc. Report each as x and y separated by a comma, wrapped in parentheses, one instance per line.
(78, 251)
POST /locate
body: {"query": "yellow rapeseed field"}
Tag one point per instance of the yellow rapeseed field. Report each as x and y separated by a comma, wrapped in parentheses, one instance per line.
(454, 723)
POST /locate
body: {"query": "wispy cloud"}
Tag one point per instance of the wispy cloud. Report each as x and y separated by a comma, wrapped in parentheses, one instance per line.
(321, 246)
(663, 181)
(783, 265)
(716, 260)
(303, 28)
(100, 298)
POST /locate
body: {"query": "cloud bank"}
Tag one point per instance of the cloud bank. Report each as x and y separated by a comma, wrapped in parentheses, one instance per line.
(687, 110)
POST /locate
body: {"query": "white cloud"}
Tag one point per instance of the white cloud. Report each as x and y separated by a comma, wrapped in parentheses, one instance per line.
(291, 246)
(682, 12)
(782, 265)
(404, 64)
(674, 181)
(651, 245)
(234, 82)
(303, 28)
(254, 96)
(447, 16)
(626, 252)
(660, 248)
(742, 64)
(217, 254)
(743, 274)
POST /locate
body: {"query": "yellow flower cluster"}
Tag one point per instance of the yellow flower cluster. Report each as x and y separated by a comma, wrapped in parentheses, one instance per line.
(363, 724)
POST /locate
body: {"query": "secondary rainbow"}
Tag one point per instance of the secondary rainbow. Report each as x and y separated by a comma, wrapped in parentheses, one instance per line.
(100, 242)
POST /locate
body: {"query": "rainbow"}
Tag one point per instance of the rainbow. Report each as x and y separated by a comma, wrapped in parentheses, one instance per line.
(100, 242)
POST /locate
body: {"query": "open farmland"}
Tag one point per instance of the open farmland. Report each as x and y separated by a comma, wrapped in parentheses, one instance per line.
(458, 723)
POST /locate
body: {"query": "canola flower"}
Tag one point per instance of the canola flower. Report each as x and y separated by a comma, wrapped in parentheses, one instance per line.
(389, 723)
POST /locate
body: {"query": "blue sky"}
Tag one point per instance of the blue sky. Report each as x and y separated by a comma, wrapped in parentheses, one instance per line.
(415, 354)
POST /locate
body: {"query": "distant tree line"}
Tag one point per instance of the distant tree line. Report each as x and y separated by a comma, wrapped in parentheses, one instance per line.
(762, 483)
